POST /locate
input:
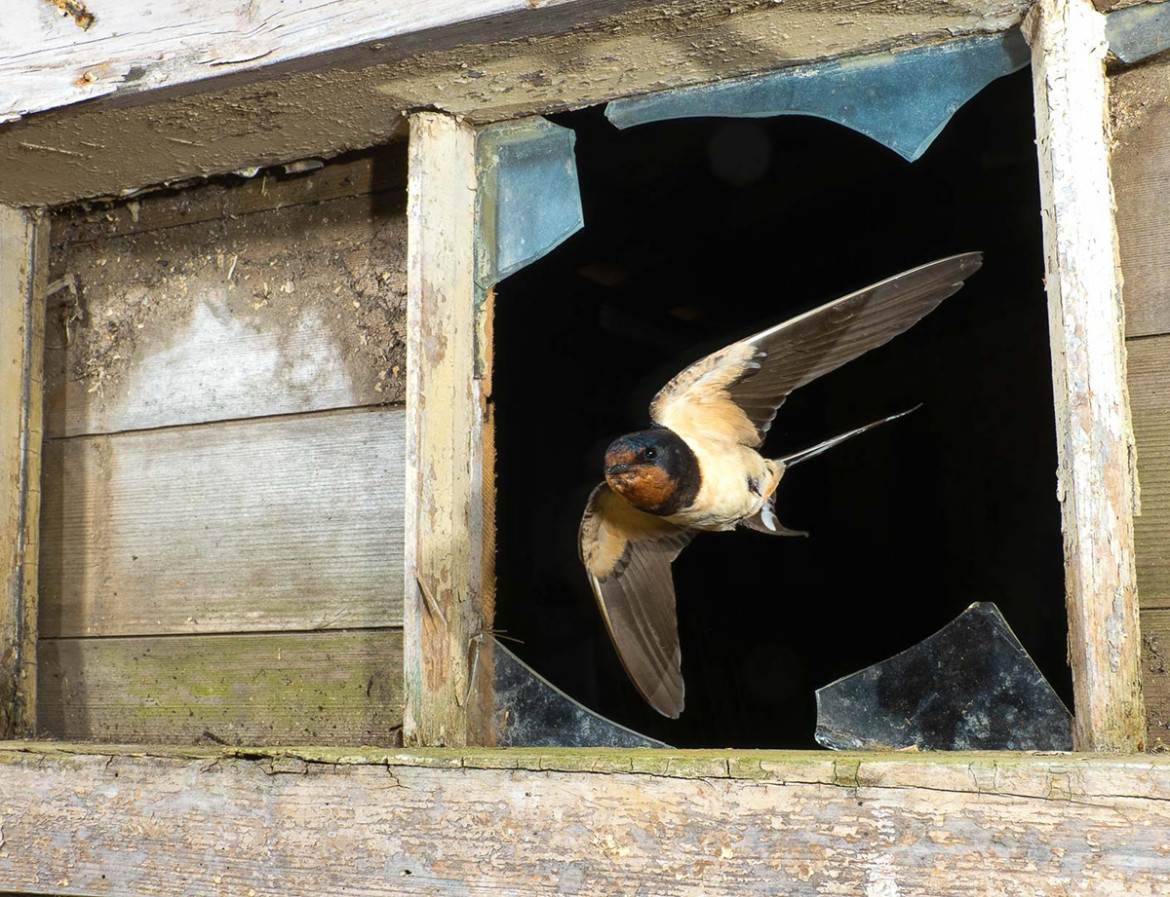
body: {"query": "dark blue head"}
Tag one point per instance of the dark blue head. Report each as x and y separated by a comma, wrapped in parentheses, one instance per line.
(654, 470)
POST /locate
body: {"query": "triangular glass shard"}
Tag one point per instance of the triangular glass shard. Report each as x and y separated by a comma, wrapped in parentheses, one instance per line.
(529, 201)
(532, 712)
(969, 687)
(901, 98)
(1137, 32)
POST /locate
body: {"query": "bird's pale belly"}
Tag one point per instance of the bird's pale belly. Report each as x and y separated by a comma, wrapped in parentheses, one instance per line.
(736, 482)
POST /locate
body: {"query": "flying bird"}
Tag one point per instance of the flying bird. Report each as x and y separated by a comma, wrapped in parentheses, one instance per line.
(698, 469)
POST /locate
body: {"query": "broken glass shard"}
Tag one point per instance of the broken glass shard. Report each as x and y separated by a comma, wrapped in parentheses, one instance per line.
(532, 712)
(969, 687)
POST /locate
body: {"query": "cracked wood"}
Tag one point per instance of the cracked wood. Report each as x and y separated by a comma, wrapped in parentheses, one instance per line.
(24, 241)
(91, 820)
(1096, 476)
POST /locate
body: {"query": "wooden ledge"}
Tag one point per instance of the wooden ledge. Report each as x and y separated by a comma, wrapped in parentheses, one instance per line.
(86, 819)
(1029, 774)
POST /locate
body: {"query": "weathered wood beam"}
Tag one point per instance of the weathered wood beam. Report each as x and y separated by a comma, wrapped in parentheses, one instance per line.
(1097, 479)
(555, 56)
(84, 820)
(50, 59)
(448, 553)
(24, 243)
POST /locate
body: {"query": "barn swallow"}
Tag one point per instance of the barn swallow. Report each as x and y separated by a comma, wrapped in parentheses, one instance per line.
(698, 469)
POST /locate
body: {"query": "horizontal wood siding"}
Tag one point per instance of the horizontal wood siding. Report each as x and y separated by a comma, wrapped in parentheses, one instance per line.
(1140, 117)
(282, 523)
(273, 688)
(222, 537)
(299, 308)
(663, 823)
(1149, 386)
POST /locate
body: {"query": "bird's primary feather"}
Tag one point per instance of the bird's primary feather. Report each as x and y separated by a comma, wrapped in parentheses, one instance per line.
(627, 554)
(737, 390)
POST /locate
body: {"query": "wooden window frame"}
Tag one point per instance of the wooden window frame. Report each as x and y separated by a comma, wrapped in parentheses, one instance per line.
(566, 819)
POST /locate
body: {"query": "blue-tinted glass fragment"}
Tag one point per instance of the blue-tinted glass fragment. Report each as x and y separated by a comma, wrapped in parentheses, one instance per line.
(1138, 31)
(529, 201)
(902, 99)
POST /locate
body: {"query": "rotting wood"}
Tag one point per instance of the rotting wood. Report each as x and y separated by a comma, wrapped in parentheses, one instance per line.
(447, 553)
(272, 524)
(1140, 111)
(80, 820)
(261, 688)
(23, 262)
(230, 197)
(1097, 479)
(563, 55)
(301, 308)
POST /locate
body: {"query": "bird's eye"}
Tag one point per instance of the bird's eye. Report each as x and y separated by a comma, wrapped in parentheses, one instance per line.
(650, 454)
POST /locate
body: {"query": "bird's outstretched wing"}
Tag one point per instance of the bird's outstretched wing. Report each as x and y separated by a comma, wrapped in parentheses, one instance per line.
(628, 555)
(735, 392)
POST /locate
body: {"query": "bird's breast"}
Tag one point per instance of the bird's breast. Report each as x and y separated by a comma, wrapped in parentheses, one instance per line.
(736, 481)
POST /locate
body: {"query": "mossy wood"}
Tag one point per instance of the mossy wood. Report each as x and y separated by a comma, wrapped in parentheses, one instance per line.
(592, 822)
(342, 687)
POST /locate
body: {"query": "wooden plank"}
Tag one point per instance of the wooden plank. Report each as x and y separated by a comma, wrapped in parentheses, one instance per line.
(263, 190)
(50, 60)
(274, 524)
(447, 554)
(1139, 101)
(23, 263)
(688, 823)
(556, 56)
(1149, 390)
(1096, 475)
(1156, 674)
(297, 309)
(270, 688)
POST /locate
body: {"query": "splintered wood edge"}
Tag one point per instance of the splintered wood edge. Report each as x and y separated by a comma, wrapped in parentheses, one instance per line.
(1097, 480)
(23, 268)
(1016, 774)
(445, 610)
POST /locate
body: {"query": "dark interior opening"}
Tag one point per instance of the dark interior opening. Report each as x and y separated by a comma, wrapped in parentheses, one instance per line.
(700, 232)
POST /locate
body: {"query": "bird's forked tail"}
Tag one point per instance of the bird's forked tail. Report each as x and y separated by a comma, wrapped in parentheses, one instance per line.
(764, 520)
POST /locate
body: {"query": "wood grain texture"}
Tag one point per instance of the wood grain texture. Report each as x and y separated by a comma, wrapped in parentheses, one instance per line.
(1156, 674)
(447, 556)
(273, 524)
(271, 688)
(548, 58)
(546, 823)
(53, 59)
(1140, 112)
(1096, 476)
(1149, 390)
(301, 308)
(23, 264)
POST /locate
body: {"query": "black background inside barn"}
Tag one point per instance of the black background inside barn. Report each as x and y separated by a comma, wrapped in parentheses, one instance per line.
(700, 232)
